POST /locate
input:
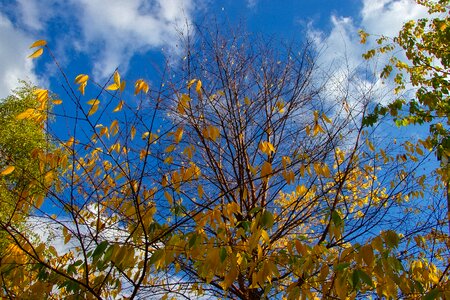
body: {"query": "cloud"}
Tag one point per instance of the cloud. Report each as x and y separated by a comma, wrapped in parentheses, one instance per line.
(386, 17)
(340, 53)
(13, 56)
(113, 31)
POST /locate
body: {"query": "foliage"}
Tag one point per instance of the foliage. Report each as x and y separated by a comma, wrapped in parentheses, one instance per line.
(17, 164)
(426, 44)
(239, 178)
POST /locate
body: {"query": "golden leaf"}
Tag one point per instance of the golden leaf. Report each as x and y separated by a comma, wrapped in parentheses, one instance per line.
(39, 201)
(26, 114)
(38, 43)
(168, 197)
(198, 87)
(200, 191)
(93, 102)
(140, 85)
(82, 78)
(122, 85)
(178, 135)
(119, 106)
(92, 110)
(57, 101)
(191, 82)
(114, 127)
(266, 147)
(36, 53)
(113, 87)
(133, 132)
(8, 170)
(266, 169)
(117, 78)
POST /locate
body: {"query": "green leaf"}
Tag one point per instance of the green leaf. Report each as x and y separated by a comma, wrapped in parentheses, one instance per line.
(100, 249)
(364, 277)
(433, 294)
(341, 267)
(222, 254)
(157, 255)
(336, 218)
(267, 219)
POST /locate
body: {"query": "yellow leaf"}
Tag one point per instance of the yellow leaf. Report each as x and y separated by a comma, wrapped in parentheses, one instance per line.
(168, 160)
(26, 114)
(82, 87)
(38, 43)
(178, 135)
(57, 101)
(266, 169)
(198, 87)
(122, 85)
(169, 149)
(325, 118)
(114, 127)
(367, 254)
(39, 201)
(8, 170)
(183, 103)
(142, 154)
(82, 78)
(200, 191)
(119, 106)
(113, 87)
(285, 160)
(140, 85)
(164, 181)
(265, 237)
(133, 132)
(93, 102)
(211, 132)
(117, 78)
(190, 83)
(168, 197)
(92, 110)
(266, 147)
(48, 178)
(36, 53)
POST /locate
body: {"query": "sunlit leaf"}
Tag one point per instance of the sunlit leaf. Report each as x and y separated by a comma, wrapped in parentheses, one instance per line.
(191, 82)
(38, 43)
(119, 106)
(26, 114)
(117, 78)
(8, 170)
(36, 53)
(82, 78)
(113, 87)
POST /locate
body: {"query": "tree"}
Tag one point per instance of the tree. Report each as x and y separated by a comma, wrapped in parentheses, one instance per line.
(239, 178)
(425, 43)
(20, 142)
(426, 67)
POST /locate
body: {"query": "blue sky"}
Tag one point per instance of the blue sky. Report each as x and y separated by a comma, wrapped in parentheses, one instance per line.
(96, 36)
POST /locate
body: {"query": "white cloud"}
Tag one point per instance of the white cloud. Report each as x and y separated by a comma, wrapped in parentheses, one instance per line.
(13, 56)
(387, 16)
(340, 55)
(115, 30)
(31, 15)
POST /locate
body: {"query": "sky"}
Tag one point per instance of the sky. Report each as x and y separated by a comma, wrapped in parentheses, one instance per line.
(97, 36)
